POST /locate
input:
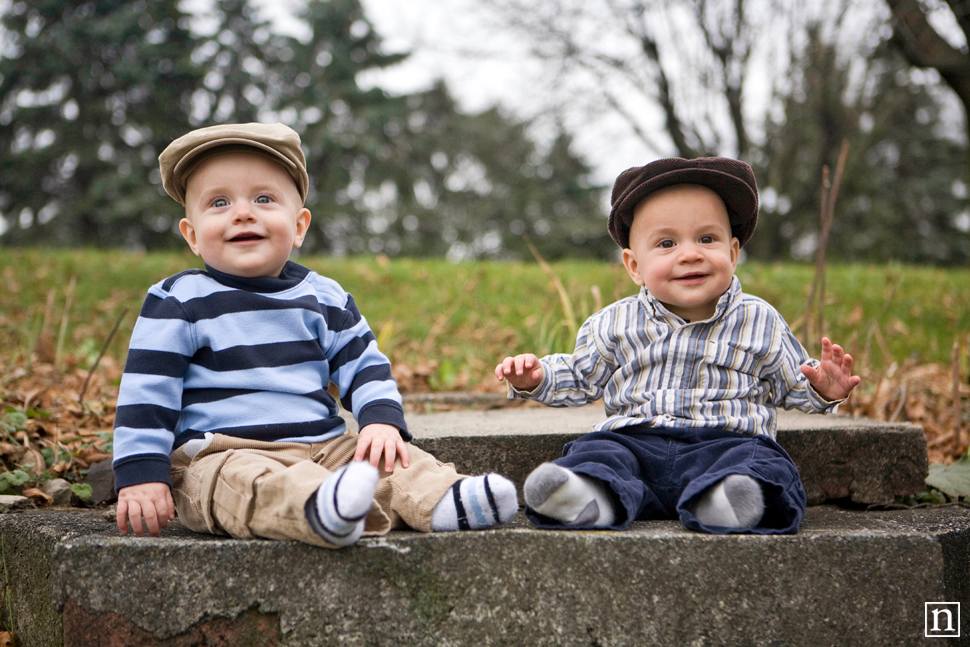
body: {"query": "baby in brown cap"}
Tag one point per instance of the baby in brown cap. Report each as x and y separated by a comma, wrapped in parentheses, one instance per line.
(691, 371)
(225, 400)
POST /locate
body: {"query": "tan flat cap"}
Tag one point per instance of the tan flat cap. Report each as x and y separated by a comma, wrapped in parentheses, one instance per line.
(276, 141)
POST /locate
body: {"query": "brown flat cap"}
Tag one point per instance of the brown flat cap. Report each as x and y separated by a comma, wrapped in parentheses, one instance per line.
(733, 180)
(276, 141)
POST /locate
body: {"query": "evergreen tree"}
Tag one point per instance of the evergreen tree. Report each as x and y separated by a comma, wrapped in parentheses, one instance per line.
(240, 63)
(90, 92)
(412, 174)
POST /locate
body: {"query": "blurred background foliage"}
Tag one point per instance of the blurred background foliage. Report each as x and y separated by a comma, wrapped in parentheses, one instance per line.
(91, 92)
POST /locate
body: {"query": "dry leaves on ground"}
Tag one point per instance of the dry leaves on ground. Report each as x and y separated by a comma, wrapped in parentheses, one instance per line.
(48, 433)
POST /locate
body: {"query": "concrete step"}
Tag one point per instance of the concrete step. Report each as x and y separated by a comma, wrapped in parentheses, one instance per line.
(838, 457)
(848, 578)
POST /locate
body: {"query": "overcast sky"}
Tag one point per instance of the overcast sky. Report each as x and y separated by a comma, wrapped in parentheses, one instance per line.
(453, 40)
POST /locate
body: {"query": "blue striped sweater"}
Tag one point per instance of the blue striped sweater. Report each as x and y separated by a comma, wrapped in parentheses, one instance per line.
(250, 358)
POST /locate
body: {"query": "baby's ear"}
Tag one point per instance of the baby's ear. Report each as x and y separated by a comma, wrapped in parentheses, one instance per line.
(188, 233)
(302, 226)
(631, 265)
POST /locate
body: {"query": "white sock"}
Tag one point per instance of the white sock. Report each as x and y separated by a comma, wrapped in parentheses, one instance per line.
(474, 503)
(338, 509)
(736, 501)
(570, 498)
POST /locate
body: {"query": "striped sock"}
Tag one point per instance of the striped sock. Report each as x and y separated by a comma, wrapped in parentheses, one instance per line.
(475, 502)
(338, 509)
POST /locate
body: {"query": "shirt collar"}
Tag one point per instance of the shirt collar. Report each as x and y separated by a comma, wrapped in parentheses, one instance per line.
(291, 276)
(660, 311)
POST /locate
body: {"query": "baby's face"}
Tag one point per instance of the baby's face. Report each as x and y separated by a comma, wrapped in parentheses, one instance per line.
(243, 214)
(681, 249)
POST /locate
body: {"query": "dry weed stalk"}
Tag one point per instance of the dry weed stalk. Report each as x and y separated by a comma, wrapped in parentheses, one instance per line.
(816, 297)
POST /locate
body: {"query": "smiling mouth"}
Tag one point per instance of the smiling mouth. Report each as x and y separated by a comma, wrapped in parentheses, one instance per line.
(691, 277)
(245, 238)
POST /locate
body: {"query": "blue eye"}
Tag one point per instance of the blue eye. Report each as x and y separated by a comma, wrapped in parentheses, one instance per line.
(262, 199)
(221, 202)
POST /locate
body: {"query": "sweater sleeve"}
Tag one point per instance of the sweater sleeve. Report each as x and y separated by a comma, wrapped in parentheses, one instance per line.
(362, 372)
(150, 395)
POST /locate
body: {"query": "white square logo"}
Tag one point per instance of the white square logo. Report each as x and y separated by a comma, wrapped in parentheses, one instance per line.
(942, 620)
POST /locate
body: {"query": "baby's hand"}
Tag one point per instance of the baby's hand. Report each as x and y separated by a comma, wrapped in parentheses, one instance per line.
(524, 372)
(376, 439)
(833, 378)
(153, 501)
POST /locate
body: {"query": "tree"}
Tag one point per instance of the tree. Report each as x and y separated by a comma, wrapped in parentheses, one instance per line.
(897, 200)
(924, 46)
(90, 92)
(93, 91)
(680, 66)
(412, 174)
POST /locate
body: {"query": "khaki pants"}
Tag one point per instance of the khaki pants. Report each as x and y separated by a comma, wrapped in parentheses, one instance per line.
(245, 488)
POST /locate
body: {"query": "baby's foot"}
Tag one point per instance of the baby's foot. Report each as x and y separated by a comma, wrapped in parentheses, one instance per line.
(474, 503)
(570, 498)
(338, 509)
(733, 502)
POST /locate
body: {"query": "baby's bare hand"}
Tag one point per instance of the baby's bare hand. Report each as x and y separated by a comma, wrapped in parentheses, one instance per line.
(524, 372)
(833, 378)
(151, 501)
(376, 440)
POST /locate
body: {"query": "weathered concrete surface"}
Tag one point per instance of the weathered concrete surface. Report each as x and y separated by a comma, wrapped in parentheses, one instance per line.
(838, 457)
(849, 578)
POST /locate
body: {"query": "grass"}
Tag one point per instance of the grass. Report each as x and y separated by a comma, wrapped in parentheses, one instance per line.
(453, 323)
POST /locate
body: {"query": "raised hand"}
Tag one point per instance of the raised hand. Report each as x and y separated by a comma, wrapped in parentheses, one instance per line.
(833, 378)
(524, 372)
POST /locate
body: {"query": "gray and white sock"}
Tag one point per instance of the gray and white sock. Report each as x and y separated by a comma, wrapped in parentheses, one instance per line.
(736, 501)
(338, 509)
(570, 498)
(474, 503)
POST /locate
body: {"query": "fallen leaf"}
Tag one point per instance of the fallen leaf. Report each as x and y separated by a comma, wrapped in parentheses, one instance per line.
(953, 480)
(38, 496)
(855, 317)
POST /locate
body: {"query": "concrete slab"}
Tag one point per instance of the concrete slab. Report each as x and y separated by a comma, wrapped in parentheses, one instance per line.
(838, 457)
(849, 578)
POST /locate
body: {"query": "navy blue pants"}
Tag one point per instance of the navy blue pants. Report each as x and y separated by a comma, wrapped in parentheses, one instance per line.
(655, 473)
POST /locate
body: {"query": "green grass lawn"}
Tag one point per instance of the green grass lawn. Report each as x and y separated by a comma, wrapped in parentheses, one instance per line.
(452, 323)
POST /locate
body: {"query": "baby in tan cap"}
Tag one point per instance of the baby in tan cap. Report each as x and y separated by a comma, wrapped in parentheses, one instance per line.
(224, 411)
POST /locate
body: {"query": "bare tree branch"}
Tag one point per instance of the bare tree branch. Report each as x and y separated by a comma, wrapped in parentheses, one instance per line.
(924, 47)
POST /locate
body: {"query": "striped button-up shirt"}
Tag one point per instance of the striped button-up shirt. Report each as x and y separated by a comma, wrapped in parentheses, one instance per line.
(651, 367)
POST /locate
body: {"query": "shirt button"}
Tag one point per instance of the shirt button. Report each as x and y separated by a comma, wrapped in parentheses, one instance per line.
(670, 398)
(678, 371)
